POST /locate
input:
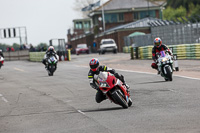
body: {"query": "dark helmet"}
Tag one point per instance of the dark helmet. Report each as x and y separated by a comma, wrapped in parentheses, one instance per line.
(94, 64)
(157, 42)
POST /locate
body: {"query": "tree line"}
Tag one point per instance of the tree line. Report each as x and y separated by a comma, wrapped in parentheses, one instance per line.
(182, 10)
(15, 47)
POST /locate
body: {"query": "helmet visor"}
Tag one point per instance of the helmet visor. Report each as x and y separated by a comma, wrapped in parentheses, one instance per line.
(93, 66)
(157, 43)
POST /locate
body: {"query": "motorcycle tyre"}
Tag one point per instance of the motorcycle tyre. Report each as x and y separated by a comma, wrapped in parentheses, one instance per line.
(120, 100)
(169, 74)
(50, 74)
(130, 102)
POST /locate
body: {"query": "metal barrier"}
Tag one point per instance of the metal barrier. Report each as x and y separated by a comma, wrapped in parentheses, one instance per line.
(16, 55)
(38, 56)
(171, 33)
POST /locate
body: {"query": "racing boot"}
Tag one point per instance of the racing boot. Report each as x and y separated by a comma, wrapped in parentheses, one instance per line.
(158, 71)
(128, 87)
(124, 83)
(45, 66)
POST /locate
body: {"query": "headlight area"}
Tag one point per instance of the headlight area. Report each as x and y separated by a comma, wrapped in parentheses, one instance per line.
(164, 59)
(104, 84)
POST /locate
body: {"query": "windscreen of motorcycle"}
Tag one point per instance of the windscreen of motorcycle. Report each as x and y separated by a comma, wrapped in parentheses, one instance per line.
(103, 76)
(162, 53)
(52, 58)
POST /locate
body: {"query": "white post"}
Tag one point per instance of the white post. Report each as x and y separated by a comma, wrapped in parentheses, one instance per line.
(103, 16)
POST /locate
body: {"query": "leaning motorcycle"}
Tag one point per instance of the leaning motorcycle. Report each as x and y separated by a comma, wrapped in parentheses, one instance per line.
(114, 89)
(51, 65)
(165, 65)
(1, 61)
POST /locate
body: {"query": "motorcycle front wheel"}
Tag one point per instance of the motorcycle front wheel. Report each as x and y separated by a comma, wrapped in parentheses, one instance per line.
(168, 75)
(117, 95)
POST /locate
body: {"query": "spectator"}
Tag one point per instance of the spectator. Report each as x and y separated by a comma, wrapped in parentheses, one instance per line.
(12, 49)
(24, 46)
(32, 49)
(94, 46)
(8, 49)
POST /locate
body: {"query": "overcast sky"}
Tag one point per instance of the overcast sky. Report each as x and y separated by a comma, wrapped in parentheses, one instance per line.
(44, 19)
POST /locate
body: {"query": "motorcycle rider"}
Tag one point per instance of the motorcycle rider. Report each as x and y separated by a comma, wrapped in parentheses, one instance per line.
(50, 52)
(1, 53)
(158, 46)
(95, 69)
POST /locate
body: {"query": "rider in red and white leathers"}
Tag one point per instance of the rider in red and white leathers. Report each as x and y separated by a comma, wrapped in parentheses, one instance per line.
(158, 46)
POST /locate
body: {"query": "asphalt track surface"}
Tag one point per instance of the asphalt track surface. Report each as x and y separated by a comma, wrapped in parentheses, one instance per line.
(33, 102)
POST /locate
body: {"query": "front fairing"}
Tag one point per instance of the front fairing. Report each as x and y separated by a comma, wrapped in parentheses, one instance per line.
(164, 59)
(1, 60)
(52, 60)
(106, 81)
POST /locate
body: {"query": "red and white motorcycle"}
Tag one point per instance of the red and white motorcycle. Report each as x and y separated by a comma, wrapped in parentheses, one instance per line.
(1, 61)
(114, 89)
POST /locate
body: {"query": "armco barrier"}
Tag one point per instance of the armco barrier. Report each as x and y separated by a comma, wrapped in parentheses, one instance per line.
(36, 56)
(184, 51)
(127, 49)
(16, 55)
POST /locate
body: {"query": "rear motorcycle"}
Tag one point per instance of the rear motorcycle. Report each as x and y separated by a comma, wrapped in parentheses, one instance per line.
(114, 89)
(165, 65)
(51, 65)
(1, 61)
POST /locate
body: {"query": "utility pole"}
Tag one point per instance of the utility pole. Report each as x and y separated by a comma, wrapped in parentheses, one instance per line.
(103, 16)
(148, 7)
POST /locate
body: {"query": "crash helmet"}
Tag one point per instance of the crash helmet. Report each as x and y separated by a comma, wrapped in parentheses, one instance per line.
(94, 64)
(157, 42)
(51, 49)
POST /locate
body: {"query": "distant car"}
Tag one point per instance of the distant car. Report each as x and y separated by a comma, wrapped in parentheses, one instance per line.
(107, 45)
(82, 48)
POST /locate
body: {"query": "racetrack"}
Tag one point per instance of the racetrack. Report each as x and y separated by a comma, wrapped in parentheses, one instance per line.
(33, 102)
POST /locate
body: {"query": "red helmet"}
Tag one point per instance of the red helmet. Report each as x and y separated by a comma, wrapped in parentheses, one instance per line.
(94, 64)
(157, 42)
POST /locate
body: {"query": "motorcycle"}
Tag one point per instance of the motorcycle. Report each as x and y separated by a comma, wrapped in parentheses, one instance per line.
(114, 89)
(51, 65)
(1, 61)
(165, 65)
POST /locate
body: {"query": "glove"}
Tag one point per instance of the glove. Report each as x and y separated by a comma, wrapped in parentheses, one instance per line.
(94, 86)
(156, 61)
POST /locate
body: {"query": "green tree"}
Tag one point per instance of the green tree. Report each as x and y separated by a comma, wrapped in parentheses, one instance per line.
(42, 46)
(185, 3)
(194, 9)
(16, 46)
(169, 13)
(172, 14)
(4, 46)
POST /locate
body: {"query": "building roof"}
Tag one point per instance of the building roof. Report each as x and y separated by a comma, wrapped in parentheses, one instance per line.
(137, 24)
(127, 4)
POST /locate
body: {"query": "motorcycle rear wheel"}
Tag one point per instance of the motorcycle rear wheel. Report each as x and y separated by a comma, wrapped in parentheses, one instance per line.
(119, 99)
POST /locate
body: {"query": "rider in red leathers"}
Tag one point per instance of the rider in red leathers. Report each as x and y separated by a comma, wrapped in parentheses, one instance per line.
(158, 46)
(95, 70)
